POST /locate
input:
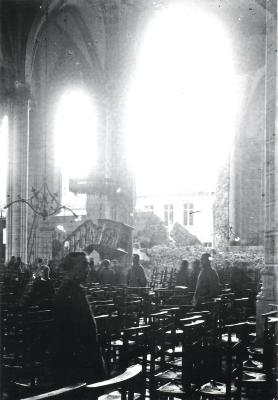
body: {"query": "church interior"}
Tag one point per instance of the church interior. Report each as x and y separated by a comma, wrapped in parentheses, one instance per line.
(102, 103)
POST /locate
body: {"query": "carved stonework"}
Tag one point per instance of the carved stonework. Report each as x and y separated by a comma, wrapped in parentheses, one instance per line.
(107, 236)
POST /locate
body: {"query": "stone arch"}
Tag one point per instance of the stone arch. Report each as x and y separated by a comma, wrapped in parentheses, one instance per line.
(79, 36)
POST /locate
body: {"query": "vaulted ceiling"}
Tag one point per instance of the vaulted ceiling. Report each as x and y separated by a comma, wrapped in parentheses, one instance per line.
(96, 40)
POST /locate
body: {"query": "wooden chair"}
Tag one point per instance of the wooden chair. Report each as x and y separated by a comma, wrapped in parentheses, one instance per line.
(65, 393)
(177, 381)
(260, 373)
(123, 383)
(235, 352)
(135, 349)
(26, 350)
(240, 309)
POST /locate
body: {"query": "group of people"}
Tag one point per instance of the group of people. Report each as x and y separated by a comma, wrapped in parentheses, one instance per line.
(108, 272)
(111, 273)
(76, 353)
(17, 269)
(203, 279)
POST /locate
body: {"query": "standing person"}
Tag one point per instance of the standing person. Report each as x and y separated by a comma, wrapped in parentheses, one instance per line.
(183, 276)
(12, 262)
(76, 352)
(92, 275)
(208, 285)
(18, 265)
(196, 268)
(37, 267)
(119, 278)
(11, 266)
(41, 291)
(136, 275)
(239, 280)
(106, 273)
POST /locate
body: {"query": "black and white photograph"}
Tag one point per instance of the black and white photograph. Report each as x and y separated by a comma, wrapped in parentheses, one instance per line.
(138, 200)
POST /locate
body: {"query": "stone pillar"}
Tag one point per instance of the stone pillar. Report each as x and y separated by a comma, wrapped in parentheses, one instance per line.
(268, 292)
(121, 29)
(18, 139)
(98, 203)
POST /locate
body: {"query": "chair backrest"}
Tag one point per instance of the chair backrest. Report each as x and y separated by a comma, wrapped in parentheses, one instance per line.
(236, 353)
(158, 319)
(269, 340)
(62, 393)
(192, 350)
(135, 344)
(124, 382)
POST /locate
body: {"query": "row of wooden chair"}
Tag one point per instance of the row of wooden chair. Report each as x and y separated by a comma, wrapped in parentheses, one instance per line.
(181, 373)
(135, 324)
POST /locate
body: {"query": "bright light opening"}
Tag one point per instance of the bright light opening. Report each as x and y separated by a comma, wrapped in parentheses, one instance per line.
(75, 133)
(75, 142)
(3, 160)
(181, 110)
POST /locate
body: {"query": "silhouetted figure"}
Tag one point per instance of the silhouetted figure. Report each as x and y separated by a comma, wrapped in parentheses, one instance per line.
(92, 275)
(183, 275)
(196, 268)
(136, 275)
(77, 356)
(18, 265)
(119, 278)
(239, 279)
(41, 291)
(12, 261)
(11, 265)
(37, 267)
(106, 273)
(208, 285)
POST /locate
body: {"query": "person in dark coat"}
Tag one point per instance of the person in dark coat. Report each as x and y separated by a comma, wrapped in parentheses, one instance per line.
(239, 280)
(12, 262)
(76, 352)
(106, 273)
(196, 268)
(92, 275)
(18, 265)
(136, 275)
(208, 285)
(119, 278)
(41, 291)
(183, 276)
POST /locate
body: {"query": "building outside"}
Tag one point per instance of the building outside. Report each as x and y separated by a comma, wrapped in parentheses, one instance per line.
(193, 210)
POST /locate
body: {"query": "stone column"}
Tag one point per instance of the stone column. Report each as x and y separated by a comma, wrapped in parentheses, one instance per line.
(98, 203)
(269, 288)
(18, 139)
(121, 28)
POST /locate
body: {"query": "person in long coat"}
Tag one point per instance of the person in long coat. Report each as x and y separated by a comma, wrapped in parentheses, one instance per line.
(208, 284)
(76, 352)
(183, 275)
(106, 273)
(136, 275)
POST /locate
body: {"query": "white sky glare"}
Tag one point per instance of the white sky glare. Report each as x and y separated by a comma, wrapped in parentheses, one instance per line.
(181, 110)
(180, 114)
(3, 160)
(75, 141)
(75, 133)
